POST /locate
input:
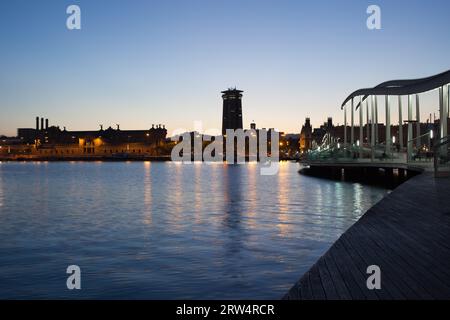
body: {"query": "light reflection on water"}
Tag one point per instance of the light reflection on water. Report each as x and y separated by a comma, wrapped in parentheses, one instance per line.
(164, 230)
(1, 186)
(147, 193)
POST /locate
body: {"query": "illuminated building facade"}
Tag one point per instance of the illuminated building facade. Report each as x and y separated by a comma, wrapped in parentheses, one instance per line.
(52, 141)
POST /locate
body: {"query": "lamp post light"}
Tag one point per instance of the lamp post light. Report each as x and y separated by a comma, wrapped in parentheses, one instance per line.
(393, 145)
(410, 122)
(430, 141)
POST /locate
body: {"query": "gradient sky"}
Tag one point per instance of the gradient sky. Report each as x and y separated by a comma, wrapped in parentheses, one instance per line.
(142, 62)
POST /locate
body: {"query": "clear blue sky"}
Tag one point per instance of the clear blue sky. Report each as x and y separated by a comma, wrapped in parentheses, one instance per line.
(142, 62)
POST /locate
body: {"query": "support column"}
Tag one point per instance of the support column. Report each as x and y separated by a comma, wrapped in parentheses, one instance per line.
(361, 126)
(345, 126)
(400, 122)
(418, 141)
(372, 134)
(443, 111)
(410, 129)
(443, 94)
(352, 130)
(446, 107)
(388, 125)
(367, 118)
(376, 120)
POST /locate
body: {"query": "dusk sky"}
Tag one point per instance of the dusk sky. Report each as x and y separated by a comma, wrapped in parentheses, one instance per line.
(165, 62)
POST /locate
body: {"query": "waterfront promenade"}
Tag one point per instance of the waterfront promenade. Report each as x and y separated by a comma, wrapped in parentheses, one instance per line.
(407, 234)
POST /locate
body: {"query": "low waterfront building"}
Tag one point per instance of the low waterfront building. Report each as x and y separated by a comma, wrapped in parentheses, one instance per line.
(51, 141)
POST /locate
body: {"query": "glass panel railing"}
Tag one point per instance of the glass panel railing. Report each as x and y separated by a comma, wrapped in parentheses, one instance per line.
(422, 153)
(442, 156)
(364, 153)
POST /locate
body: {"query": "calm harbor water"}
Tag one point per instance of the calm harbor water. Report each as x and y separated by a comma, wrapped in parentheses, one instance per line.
(142, 230)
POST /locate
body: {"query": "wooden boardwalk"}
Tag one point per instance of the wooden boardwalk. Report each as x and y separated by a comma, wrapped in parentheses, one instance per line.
(407, 234)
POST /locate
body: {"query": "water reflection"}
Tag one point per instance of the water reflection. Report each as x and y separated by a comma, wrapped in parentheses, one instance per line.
(198, 194)
(147, 193)
(176, 191)
(233, 206)
(338, 197)
(251, 193)
(233, 209)
(358, 198)
(1, 185)
(283, 201)
(167, 230)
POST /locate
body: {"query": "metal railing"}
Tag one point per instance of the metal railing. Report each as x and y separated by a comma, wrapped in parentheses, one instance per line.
(421, 154)
(337, 152)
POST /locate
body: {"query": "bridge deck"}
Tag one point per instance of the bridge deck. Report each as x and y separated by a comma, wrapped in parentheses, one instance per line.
(414, 166)
(407, 234)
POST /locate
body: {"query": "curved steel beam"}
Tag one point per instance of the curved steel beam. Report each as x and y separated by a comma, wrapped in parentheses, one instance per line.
(391, 83)
(402, 87)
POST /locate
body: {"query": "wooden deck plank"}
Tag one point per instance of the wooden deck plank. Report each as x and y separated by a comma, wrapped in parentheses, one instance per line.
(439, 236)
(327, 281)
(338, 281)
(392, 271)
(351, 275)
(407, 234)
(316, 284)
(305, 287)
(418, 242)
(426, 227)
(398, 270)
(360, 266)
(365, 261)
(413, 260)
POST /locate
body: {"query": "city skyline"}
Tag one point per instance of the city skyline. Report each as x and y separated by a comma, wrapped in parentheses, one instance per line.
(163, 66)
(224, 155)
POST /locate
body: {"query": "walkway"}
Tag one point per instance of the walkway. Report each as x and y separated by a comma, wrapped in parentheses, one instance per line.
(407, 234)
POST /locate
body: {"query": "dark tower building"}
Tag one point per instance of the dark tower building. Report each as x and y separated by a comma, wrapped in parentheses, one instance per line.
(329, 123)
(232, 110)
